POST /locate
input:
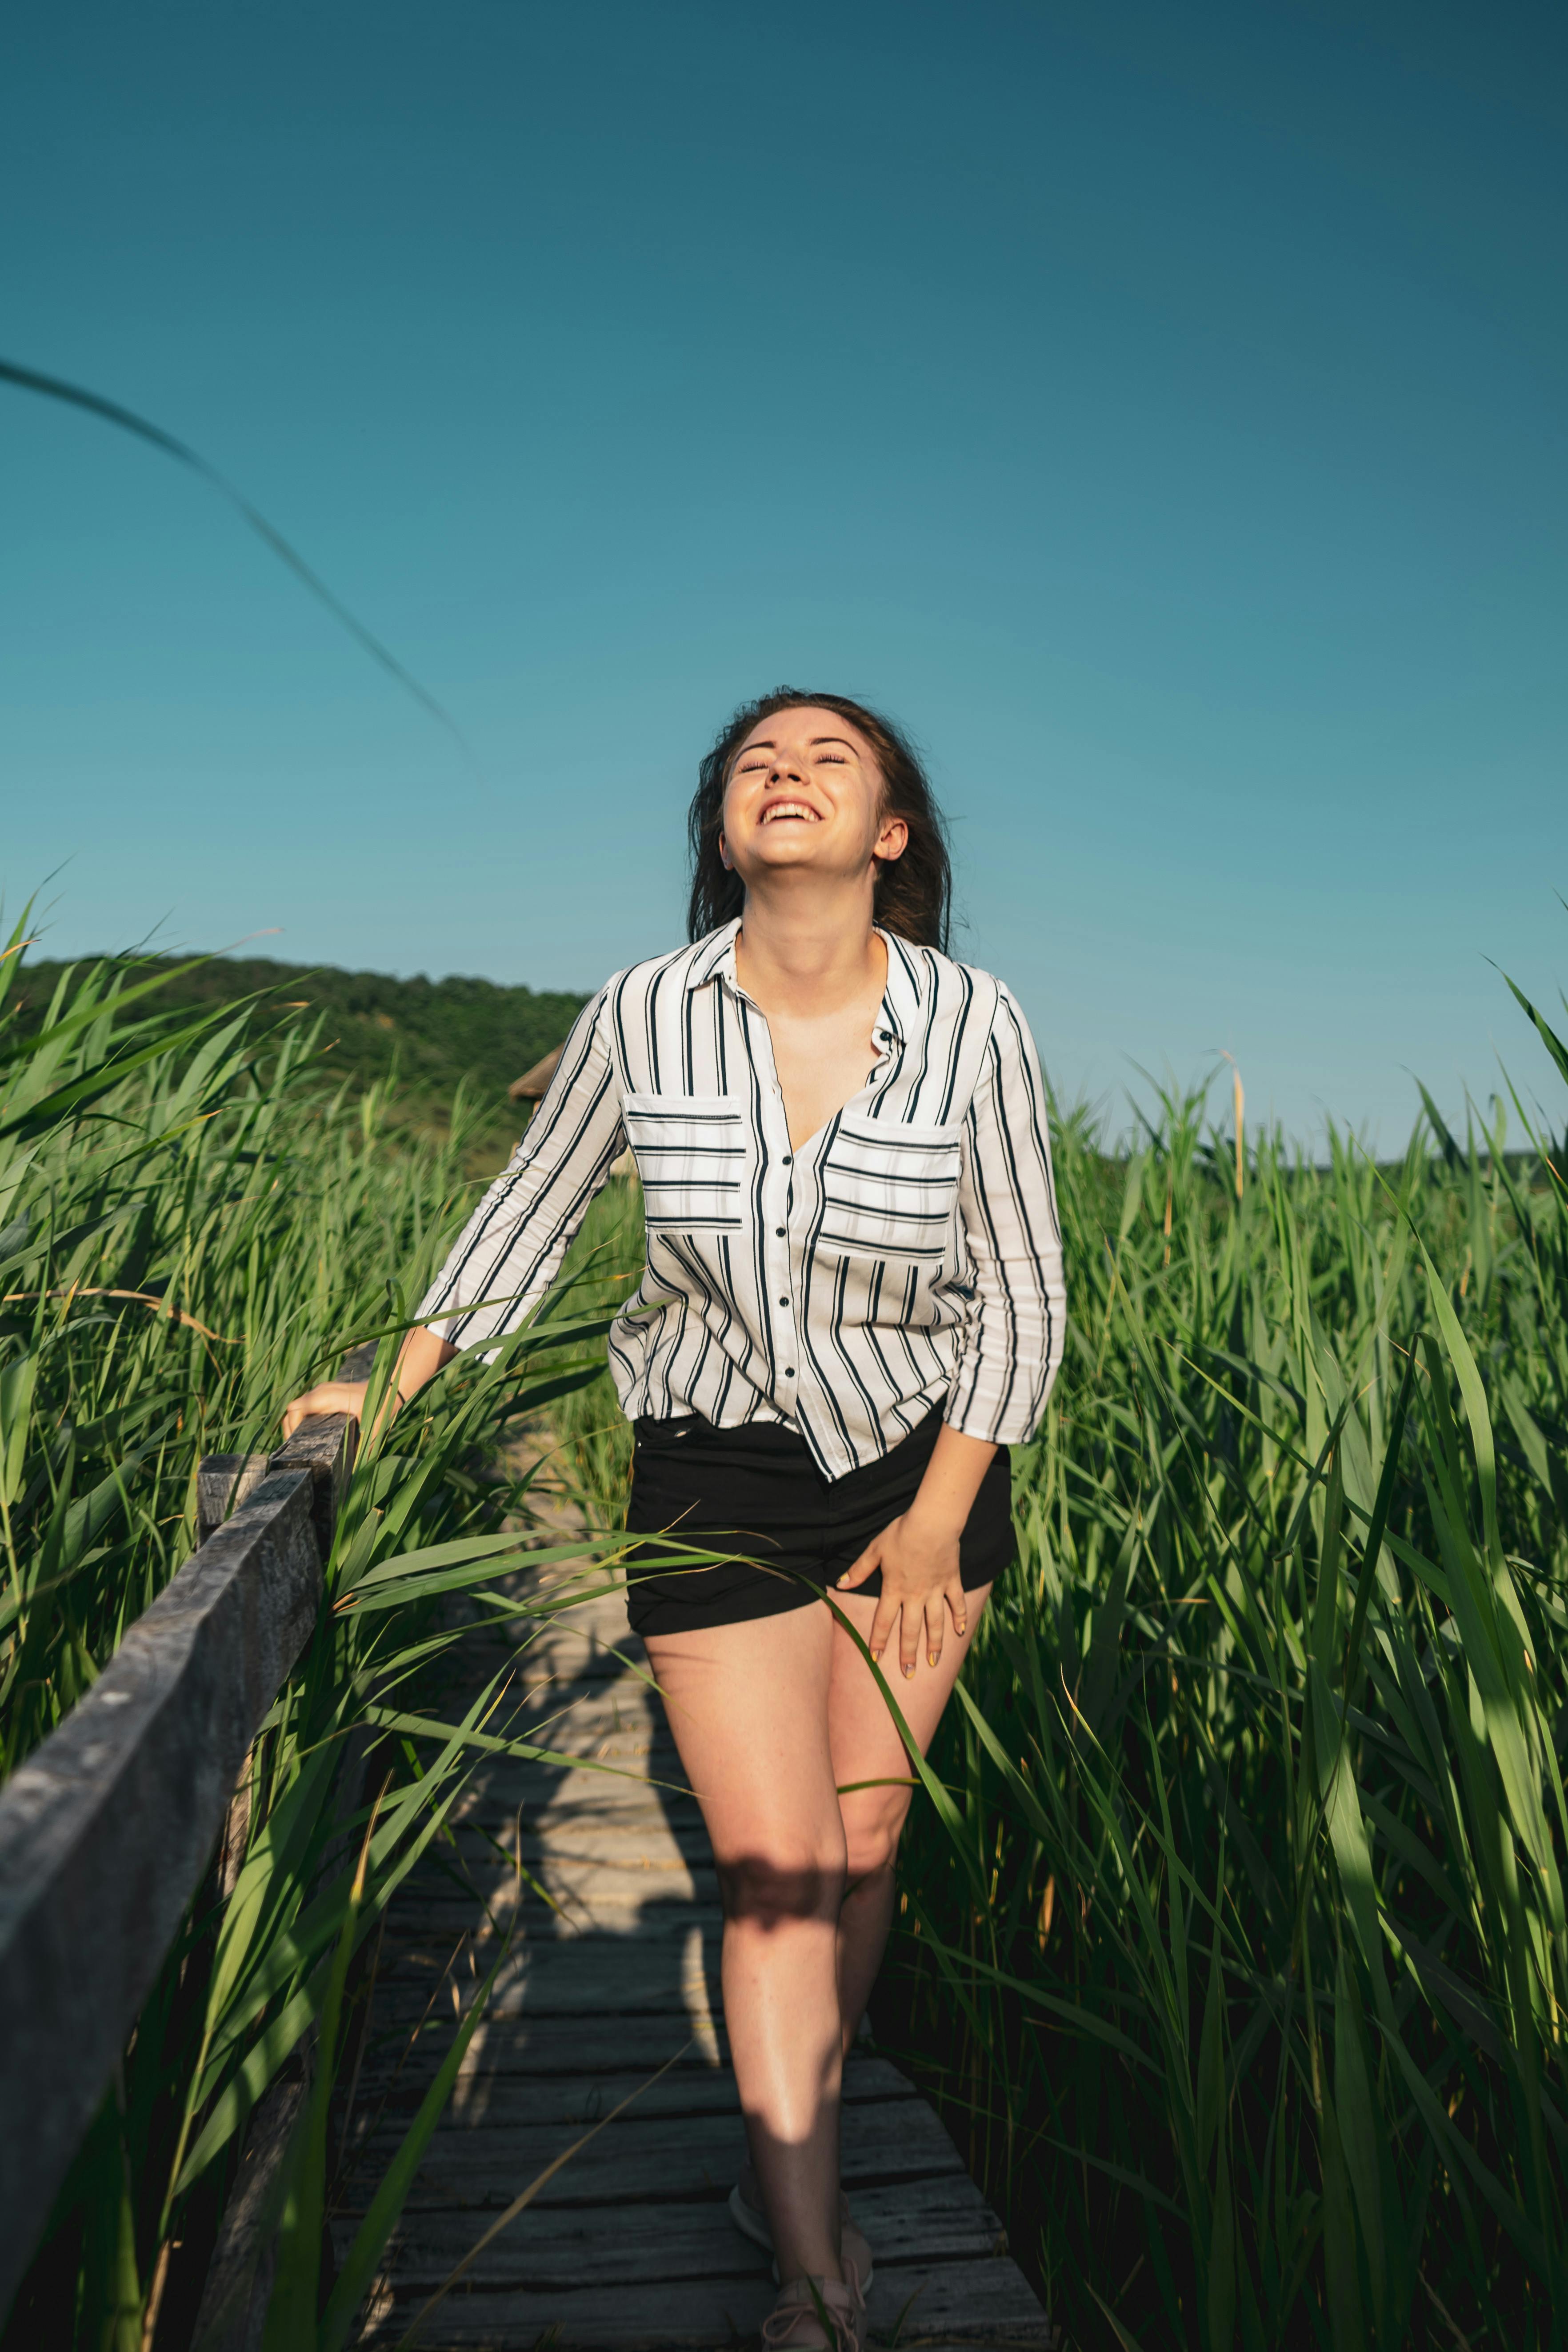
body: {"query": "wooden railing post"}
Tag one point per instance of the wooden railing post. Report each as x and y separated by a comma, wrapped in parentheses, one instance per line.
(106, 1830)
(224, 1480)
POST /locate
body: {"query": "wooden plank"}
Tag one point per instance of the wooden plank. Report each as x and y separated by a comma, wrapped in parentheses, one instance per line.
(637, 2158)
(523, 2045)
(589, 1804)
(489, 2091)
(946, 2307)
(615, 1825)
(586, 1978)
(634, 1864)
(590, 1899)
(610, 1830)
(645, 1786)
(560, 2245)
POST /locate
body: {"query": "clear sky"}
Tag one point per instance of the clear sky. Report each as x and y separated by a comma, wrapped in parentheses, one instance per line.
(1161, 410)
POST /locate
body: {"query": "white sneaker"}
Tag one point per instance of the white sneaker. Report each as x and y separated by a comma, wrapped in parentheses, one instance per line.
(815, 2315)
(854, 2247)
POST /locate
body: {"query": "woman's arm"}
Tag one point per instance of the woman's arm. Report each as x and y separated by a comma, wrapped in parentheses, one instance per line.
(918, 1554)
(1011, 1344)
(1013, 1341)
(419, 1359)
(509, 1253)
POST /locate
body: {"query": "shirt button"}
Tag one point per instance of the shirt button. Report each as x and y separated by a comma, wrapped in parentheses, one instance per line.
(786, 1160)
(783, 1302)
(780, 1232)
(789, 1372)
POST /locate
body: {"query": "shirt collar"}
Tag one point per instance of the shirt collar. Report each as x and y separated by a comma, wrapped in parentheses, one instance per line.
(903, 1000)
(714, 958)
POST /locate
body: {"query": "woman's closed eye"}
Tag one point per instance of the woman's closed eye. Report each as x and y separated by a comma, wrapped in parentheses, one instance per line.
(760, 760)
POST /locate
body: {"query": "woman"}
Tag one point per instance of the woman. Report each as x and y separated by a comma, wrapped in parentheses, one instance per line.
(852, 1303)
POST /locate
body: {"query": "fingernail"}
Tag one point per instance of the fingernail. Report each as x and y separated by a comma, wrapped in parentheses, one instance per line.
(876, 1657)
(931, 1657)
(909, 1674)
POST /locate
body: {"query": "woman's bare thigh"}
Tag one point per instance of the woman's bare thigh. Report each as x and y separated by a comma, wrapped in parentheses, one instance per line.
(748, 1708)
(864, 1739)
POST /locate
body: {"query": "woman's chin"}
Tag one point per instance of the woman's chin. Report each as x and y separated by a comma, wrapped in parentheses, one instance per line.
(796, 854)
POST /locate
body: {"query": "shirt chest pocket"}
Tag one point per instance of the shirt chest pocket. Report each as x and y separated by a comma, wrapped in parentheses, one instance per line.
(889, 1192)
(690, 1152)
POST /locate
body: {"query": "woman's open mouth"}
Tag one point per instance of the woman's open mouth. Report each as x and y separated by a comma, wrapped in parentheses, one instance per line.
(779, 810)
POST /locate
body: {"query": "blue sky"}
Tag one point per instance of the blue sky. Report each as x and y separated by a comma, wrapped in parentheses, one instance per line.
(1162, 411)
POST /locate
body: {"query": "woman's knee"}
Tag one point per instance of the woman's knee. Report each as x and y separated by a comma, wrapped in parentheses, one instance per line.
(782, 1879)
(871, 1834)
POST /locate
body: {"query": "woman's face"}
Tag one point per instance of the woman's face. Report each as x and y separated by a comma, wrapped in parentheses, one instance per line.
(806, 791)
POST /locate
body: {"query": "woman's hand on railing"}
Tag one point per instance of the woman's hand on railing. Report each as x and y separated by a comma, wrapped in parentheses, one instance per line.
(419, 1359)
(329, 1396)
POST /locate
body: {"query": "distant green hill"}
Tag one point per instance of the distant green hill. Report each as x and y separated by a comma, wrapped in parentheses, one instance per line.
(435, 1030)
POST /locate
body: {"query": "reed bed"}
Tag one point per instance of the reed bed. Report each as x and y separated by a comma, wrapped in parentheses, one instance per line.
(192, 1226)
(1234, 1949)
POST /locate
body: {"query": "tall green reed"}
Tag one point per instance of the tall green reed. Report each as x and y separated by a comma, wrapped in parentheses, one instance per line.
(187, 1217)
(1241, 1963)
(192, 1227)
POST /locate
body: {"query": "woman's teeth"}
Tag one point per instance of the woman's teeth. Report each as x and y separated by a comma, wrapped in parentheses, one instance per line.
(789, 808)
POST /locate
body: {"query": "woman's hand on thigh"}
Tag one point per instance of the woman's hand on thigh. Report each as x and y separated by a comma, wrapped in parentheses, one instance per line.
(918, 1556)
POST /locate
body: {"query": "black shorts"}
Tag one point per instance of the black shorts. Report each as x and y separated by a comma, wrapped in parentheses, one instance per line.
(756, 1489)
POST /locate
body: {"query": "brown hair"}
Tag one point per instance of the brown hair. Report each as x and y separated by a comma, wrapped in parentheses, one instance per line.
(914, 891)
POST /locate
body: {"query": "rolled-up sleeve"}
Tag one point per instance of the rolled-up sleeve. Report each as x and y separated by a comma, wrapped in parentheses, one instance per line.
(1007, 1199)
(507, 1254)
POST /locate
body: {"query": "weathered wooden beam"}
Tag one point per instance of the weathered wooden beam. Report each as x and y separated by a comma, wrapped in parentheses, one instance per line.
(224, 1480)
(106, 1830)
(324, 1447)
(232, 2314)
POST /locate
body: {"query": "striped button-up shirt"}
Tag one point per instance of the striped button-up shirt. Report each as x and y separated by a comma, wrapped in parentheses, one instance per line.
(907, 1256)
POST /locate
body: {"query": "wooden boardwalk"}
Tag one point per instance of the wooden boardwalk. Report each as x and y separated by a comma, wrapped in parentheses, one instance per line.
(630, 2244)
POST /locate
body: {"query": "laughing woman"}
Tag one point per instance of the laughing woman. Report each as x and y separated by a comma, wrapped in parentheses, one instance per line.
(852, 1304)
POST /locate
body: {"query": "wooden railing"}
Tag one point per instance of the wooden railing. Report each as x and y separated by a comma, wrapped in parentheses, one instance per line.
(106, 1830)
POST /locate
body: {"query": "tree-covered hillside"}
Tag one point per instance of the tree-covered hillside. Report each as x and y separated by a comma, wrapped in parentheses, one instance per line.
(436, 1032)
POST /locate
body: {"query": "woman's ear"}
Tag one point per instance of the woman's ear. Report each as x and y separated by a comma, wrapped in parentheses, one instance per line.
(725, 860)
(893, 841)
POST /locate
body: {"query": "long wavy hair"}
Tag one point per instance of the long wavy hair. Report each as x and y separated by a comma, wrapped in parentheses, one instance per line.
(914, 892)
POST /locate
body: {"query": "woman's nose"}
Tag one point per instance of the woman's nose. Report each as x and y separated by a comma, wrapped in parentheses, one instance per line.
(786, 770)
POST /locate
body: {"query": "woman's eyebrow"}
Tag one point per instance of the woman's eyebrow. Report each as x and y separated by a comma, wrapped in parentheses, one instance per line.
(766, 743)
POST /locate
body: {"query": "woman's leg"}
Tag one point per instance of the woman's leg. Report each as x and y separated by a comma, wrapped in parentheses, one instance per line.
(866, 1746)
(748, 1707)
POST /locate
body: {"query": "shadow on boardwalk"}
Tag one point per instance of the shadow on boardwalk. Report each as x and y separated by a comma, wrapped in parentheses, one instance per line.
(630, 2244)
